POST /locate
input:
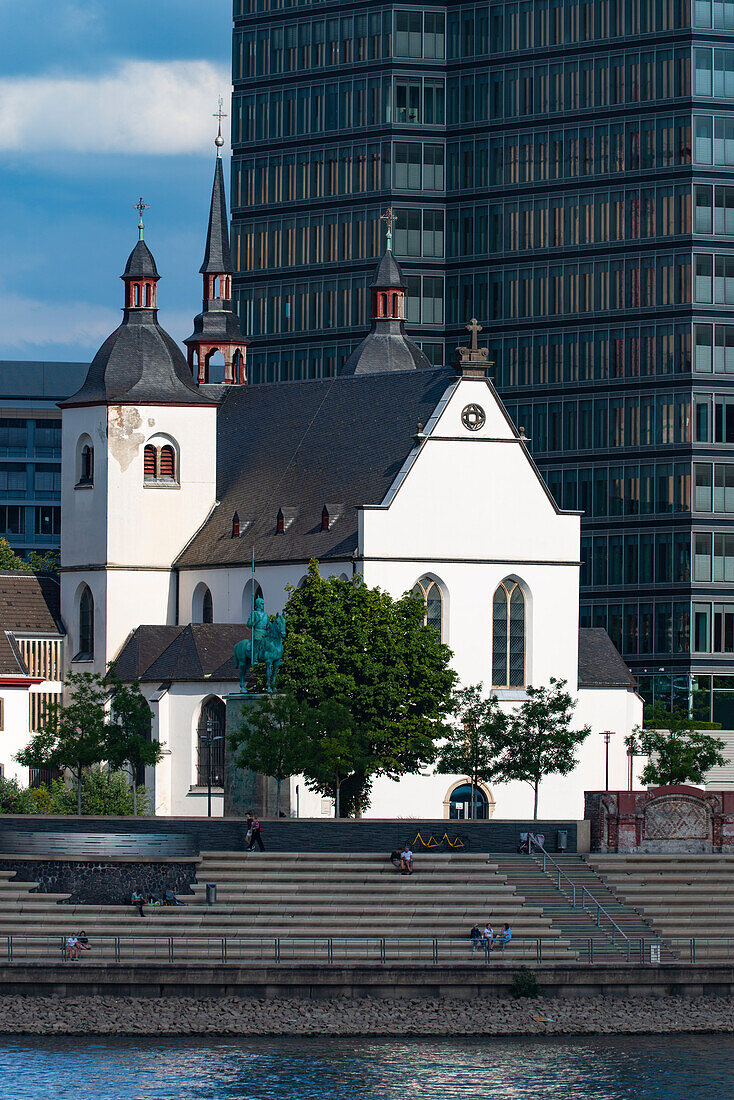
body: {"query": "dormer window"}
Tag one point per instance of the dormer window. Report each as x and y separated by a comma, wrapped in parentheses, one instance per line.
(279, 522)
(324, 519)
(160, 464)
(236, 526)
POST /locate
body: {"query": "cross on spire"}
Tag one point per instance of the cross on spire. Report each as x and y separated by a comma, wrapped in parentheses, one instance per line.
(389, 218)
(474, 328)
(140, 206)
(220, 114)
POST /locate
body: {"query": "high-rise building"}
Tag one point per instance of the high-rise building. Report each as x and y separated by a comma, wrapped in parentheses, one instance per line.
(30, 451)
(560, 170)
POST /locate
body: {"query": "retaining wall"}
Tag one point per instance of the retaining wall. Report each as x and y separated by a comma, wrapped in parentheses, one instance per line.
(104, 882)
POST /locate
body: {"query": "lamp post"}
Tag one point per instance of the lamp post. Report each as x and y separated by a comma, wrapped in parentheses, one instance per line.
(208, 740)
(607, 734)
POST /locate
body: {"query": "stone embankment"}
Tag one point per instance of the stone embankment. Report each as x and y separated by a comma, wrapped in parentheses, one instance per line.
(345, 1016)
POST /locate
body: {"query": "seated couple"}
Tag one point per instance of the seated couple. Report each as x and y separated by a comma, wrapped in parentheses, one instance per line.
(489, 938)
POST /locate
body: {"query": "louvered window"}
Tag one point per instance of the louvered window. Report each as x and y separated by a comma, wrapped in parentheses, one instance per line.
(150, 463)
(167, 464)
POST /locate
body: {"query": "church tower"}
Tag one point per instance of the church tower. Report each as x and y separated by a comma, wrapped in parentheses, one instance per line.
(138, 476)
(217, 327)
(386, 347)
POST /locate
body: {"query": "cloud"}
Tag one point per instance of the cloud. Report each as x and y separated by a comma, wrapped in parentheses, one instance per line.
(28, 322)
(142, 107)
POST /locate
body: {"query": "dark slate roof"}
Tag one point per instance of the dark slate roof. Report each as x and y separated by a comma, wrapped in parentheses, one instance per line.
(299, 445)
(199, 651)
(385, 348)
(140, 263)
(11, 662)
(600, 664)
(139, 364)
(217, 257)
(30, 603)
(217, 324)
(388, 273)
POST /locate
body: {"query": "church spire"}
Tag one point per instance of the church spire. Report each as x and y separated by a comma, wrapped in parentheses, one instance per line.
(217, 327)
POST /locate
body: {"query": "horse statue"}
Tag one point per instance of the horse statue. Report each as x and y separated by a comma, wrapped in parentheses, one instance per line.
(267, 640)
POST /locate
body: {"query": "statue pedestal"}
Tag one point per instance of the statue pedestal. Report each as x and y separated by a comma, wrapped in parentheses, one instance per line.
(243, 789)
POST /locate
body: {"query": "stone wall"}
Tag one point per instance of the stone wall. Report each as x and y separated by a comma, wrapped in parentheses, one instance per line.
(103, 882)
(676, 818)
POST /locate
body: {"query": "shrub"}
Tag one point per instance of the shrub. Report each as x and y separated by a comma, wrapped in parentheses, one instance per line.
(525, 983)
(102, 793)
(14, 799)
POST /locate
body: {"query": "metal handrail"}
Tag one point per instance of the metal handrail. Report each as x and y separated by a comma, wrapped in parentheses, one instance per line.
(532, 839)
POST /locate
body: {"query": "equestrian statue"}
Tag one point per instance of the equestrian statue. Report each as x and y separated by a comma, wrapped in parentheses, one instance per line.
(265, 644)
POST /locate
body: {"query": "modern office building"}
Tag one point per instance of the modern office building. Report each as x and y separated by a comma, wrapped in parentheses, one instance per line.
(561, 170)
(30, 451)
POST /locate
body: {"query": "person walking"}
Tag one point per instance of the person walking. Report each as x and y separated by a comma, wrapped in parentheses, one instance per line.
(254, 833)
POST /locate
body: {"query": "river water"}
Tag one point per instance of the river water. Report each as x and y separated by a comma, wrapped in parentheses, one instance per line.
(595, 1068)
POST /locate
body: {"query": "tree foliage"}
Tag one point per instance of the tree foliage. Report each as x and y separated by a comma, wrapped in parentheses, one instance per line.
(270, 739)
(36, 563)
(75, 733)
(374, 656)
(475, 741)
(539, 740)
(128, 744)
(102, 793)
(677, 750)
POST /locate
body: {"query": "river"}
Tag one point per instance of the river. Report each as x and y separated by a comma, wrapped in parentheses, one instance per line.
(596, 1068)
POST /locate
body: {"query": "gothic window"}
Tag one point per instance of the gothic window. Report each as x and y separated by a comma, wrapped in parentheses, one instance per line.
(508, 636)
(207, 608)
(429, 593)
(248, 599)
(86, 625)
(211, 741)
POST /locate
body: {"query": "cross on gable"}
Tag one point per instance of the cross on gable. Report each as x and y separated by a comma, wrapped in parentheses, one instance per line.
(140, 206)
(389, 218)
(220, 114)
(474, 328)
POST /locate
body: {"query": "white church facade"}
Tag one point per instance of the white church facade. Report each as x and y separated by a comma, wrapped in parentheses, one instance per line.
(413, 477)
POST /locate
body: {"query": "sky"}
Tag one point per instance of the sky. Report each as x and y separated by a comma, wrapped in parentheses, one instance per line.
(102, 101)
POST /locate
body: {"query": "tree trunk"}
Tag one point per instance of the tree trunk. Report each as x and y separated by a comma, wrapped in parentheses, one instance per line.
(277, 797)
(135, 791)
(337, 808)
(535, 803)
(79, 791)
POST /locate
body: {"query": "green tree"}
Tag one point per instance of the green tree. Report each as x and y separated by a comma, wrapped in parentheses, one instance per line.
(44, 563)
(128, 744)
(677, 751)
(9, 560)
(103, 793)
(373, 654)
(474, 743)
(539, 739)
(270, 739)
(335, 749)
(74, 735)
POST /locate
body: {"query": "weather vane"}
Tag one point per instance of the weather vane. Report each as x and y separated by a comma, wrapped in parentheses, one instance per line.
(140, 206)
(390, 219)
(219, 140)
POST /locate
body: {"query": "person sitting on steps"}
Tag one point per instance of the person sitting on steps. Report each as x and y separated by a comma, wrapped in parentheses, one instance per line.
(406, 860)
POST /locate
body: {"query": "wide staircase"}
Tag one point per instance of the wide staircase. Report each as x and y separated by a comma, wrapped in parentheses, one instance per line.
(688, 899)
(300, 907)
(595, 922)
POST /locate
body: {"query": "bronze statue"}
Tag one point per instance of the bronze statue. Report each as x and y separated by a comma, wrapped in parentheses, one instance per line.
(265, 644)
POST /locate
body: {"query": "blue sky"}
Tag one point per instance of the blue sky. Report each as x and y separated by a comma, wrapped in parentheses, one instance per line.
(102, 101)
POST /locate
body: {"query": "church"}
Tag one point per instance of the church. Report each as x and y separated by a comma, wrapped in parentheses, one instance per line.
(413, 476)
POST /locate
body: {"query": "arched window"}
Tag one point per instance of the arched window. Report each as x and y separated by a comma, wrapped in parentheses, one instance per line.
(202, 606)
(460, 803)
(84, 462)
(428, 591)
(86, 625)
(210, 731)
(160, 462)
(508, 635)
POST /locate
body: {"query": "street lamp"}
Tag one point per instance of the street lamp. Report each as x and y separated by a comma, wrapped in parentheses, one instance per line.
(606, 734)
(208, 740)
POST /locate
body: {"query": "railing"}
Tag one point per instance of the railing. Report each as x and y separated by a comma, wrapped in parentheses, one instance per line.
(585, 895)
(21, 948)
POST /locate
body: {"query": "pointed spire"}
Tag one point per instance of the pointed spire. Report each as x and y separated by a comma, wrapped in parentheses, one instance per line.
(140, 206)
(217, 257)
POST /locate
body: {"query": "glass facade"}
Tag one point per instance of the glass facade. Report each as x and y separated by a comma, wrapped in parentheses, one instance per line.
(560, 170)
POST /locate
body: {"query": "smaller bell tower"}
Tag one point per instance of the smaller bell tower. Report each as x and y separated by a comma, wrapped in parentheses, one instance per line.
(217, 327)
